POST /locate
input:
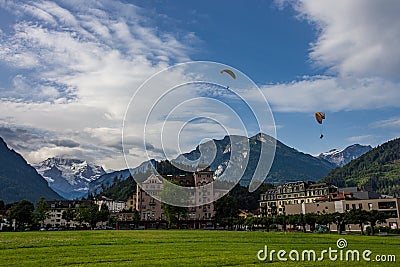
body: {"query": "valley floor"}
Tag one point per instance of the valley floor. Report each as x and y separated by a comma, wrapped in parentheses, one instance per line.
(187, 248)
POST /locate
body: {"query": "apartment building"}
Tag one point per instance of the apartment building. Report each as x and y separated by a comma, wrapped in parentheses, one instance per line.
(57, 207)
(273, 201)
(308, 197)
(148, 198)
(388, 205)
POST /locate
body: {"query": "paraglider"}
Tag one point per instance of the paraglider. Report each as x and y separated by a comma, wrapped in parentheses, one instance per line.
(229, 72)
(319, 116)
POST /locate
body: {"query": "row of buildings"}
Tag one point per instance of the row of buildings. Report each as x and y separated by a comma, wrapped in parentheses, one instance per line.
(146, 201)
(309, 197)
(290, 198)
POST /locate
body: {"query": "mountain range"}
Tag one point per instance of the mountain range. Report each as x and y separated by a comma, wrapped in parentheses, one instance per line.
(19, 180)
(69, 177)
(289, 164)
(74, 178)
(107, 180)
(342, 157)
(378, 170)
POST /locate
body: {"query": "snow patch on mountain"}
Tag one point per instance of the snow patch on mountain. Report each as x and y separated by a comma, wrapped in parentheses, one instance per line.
(342, 157)
(69, 177)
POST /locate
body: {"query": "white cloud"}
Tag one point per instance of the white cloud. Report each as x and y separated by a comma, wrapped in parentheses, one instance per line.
(357, 43)
(360, 138)
(357, 37)
(332, 94)
(389, 123)
(79, 64)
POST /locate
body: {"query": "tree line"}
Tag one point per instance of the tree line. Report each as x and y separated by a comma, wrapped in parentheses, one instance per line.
(227, 215)
(32, 216)
(378, 169)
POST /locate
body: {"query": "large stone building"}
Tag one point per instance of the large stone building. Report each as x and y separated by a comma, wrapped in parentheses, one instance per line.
(273, 201)
(308, 197)
(200, 215)
(390, 206)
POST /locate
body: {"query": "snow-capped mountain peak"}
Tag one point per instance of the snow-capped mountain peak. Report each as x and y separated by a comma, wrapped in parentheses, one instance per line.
(342, 157)
(69, 177)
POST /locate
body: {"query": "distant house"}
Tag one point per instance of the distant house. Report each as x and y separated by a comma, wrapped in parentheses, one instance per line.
(57, 207)
(112, 205)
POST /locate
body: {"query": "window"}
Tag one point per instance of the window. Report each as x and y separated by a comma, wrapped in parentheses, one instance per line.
(391, 213)
(360, 206)
(370, 206)
(353, 206)
(387, 205)
(347, 206)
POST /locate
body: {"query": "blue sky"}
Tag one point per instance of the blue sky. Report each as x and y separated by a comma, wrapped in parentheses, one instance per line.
(69, 68)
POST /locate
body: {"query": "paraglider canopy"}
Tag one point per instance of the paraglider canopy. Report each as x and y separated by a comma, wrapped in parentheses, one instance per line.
(319, 116)
(229, 72)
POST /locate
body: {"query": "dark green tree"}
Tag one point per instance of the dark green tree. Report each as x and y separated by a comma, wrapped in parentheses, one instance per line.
(22, 212)
(136, 216)
(173, 193)
(68, 215)
(226, 211)
(250, 222)
(42, 210)
(357, 216)
(80, 214)
(92, 215)
(326, 219)
(374, 217)
(281, 219)
(310, 219)
(294, 219)
(339, 221)
(104, 213)
(267, 222)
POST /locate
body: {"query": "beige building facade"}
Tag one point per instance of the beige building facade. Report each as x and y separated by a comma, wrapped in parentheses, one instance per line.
(274, 201)
(323, 198)
(147, 200)
(57, 207)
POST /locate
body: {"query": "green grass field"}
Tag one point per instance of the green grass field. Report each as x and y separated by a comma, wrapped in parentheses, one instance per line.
(178, 248)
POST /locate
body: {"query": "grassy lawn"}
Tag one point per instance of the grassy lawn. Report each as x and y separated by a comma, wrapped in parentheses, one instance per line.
(178, 248)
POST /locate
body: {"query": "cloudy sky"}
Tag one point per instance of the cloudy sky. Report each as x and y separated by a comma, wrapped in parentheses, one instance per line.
(68, 70)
